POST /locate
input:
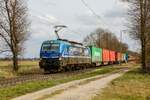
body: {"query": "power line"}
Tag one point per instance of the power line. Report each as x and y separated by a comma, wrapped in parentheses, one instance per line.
(73, 31)
(93, 12)
(69, 29)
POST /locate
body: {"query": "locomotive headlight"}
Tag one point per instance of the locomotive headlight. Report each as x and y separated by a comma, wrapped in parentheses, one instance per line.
(60, 58)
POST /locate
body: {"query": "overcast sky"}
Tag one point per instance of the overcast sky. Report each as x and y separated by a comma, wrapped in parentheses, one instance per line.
(43, 14)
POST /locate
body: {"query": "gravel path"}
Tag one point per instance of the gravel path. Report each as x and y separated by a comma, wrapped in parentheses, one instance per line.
(85, 92)
(75, 90)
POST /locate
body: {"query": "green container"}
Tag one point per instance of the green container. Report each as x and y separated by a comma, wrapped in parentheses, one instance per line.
(96, 54)
(126, 57)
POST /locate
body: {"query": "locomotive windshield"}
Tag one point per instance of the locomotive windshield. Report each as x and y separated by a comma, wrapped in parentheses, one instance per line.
(50, 47)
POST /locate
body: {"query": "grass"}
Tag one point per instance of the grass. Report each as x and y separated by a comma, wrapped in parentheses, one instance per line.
(133, 85)
(4, 64)
(18, 90)
(6, 74)
(25, 67)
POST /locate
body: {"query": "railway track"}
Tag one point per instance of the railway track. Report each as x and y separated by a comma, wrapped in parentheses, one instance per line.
(38, 76)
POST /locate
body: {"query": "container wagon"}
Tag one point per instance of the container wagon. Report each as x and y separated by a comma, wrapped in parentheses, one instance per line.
(96, 56)
(112, 59)
(105, 56)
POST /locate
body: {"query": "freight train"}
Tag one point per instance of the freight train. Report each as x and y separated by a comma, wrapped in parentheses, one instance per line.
(60, 54)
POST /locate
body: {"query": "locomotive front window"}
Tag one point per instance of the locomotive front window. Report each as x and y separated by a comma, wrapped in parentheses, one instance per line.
(50, 47)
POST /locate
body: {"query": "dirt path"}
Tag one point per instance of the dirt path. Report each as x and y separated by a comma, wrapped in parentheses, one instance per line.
(84, 89)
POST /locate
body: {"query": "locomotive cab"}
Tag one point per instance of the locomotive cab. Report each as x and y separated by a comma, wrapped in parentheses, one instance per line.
(51, 54)
(50, 50)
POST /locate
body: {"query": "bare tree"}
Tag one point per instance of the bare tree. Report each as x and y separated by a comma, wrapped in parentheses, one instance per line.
(13, 27)
(139, 26)
(105, 39)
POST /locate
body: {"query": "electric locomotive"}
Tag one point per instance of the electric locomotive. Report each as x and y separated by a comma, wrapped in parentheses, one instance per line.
(56, 55)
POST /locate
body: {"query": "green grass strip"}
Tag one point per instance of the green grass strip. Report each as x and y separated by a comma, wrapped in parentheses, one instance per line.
(133, 85)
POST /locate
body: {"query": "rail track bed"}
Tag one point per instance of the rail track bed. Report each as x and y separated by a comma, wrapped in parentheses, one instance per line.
(38, 76)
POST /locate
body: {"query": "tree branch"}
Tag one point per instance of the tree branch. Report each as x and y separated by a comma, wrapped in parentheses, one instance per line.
(3, 51)
(5, 39)
(4, 29)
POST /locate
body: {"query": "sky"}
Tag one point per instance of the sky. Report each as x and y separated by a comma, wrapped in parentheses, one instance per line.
(44, 14)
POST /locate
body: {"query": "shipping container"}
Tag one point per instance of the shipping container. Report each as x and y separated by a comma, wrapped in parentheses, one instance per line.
(96, 54)
(126, 57)
(122, 57)
(112, 56)
(118, 56)
(105, 56)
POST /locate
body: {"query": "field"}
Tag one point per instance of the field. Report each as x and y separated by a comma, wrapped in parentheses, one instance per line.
(21, 63)
(26, 67)
(134, 85)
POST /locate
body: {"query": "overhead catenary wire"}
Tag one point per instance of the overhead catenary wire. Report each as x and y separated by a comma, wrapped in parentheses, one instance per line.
(73, 31)
(68, 28)
(94, 13)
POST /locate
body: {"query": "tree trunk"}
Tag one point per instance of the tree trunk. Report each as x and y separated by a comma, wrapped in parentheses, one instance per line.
(143, 57)
(147, 61)
(15, 62)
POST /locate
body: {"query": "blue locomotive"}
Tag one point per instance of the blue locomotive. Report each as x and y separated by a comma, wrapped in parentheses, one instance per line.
(57, 55)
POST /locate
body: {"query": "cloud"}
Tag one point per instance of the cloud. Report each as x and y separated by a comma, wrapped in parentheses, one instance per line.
(42, 26)
(49, 19)
(115, 13)
(48, 2)
(87, 20)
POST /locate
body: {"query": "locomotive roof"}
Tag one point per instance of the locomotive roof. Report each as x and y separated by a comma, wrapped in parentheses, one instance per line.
(55, 41)
(65, 42)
